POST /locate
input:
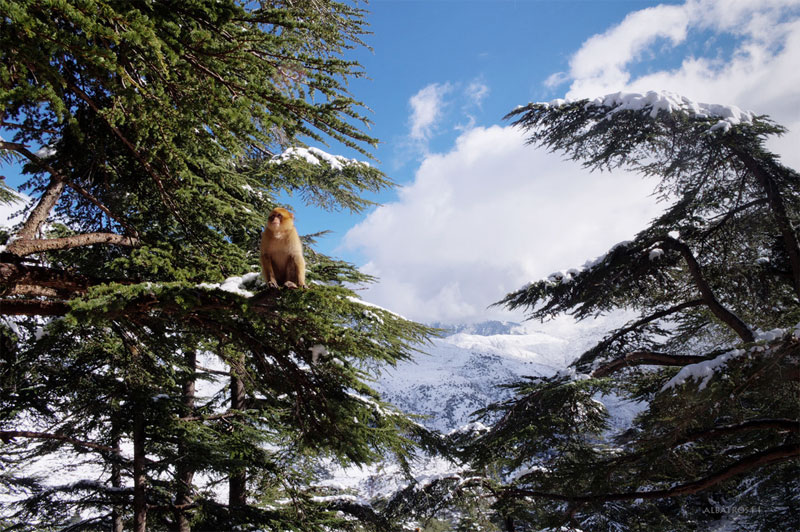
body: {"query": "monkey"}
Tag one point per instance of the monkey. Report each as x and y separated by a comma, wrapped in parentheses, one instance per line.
(282, 261)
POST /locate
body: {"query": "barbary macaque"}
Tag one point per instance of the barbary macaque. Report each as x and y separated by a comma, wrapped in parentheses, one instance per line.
(282, 260)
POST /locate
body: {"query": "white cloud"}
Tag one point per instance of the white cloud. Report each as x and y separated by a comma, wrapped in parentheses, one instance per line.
(487, 217)
(426, 109)
(476, 92)
(604, 57)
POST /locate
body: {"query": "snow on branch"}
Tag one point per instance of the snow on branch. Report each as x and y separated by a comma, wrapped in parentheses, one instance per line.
(670, 102)
(316, 156)
(705, 370)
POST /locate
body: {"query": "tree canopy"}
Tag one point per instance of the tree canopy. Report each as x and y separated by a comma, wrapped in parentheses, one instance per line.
(709, 359)
(138, 342)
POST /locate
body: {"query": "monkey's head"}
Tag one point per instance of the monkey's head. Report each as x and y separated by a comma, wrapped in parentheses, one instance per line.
(280, 218)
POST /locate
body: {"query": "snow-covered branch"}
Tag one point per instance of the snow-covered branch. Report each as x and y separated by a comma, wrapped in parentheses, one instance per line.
(639, 358)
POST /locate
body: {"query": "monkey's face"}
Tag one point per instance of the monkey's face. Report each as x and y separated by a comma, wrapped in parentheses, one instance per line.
(279, 217)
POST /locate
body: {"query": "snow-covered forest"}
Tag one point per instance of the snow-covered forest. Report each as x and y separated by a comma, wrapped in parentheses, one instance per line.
(150, 379)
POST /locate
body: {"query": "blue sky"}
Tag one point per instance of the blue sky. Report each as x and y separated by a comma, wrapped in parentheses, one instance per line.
(507, 48)
(478, 213)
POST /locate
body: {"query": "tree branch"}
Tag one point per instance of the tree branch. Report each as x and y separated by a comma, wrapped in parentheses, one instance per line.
(46, 203)
(12, 274)
(723, 314)
(731, 213)
(7, 435)
(133, 150)
(781, 425)
(638, 323)
(24, 247)
(212, 417)
(32, 307)
(640, 358)
(21, 149)
(778, 208)
(774, 455)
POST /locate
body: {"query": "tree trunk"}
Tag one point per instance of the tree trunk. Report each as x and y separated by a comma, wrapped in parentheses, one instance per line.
(139, 475)
(184, 471)
(237, 483)
(776, 204)
(116, 482)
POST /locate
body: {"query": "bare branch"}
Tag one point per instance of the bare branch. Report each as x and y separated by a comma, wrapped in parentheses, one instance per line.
(722, 313)
(7, 435)
(24, 247)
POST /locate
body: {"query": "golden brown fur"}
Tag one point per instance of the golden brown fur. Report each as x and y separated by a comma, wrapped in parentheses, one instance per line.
(282, 260)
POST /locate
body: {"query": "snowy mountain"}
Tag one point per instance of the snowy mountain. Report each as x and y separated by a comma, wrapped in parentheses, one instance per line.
(462, 372)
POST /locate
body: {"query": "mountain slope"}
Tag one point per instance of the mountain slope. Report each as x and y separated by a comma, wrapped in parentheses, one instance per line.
(463, 372)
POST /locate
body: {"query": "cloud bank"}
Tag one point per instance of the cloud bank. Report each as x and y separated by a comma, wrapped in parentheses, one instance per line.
(487, 217)
(492, 214)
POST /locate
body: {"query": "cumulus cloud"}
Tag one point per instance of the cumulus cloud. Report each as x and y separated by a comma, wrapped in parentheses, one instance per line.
(487, 217)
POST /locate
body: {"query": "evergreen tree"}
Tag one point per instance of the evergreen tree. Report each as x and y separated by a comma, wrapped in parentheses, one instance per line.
(138, 344)
(711, 356)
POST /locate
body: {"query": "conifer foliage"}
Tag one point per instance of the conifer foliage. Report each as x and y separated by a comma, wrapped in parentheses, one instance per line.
(139, 346)
(710, 357)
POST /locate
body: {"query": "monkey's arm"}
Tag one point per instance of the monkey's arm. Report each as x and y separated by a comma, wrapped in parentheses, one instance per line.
(266, 269)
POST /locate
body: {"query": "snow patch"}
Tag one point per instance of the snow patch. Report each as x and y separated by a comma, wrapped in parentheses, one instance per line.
(317, 351)
(315, 156)
(234, 285)
(702, 371)
(657, 101)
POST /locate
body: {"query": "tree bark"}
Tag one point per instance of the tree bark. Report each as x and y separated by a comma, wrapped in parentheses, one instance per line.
(184, 472)
(29, 246)
(724, 315)
(139, 474)
(237, 484)
(776, 204)
(46, 203)
(14, 274)
(117, 523)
